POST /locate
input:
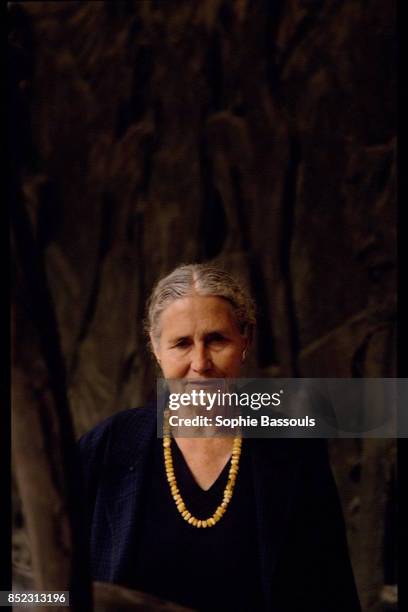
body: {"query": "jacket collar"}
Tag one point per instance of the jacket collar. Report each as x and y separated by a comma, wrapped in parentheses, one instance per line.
(274, 475)
(126, 466)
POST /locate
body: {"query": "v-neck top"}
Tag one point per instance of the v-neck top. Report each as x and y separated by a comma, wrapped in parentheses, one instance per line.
(211, 569)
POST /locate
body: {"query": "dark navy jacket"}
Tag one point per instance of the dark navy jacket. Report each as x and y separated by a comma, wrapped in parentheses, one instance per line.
(303, 555)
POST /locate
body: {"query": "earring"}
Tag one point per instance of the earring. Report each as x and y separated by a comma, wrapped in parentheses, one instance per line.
(243, 355)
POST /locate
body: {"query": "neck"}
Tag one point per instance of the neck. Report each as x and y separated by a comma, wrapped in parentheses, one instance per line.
(205, 446)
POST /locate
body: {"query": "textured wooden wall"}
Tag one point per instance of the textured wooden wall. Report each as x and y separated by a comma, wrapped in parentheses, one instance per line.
(256, 134)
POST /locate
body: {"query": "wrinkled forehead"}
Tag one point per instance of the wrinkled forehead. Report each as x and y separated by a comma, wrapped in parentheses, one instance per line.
(197, 315)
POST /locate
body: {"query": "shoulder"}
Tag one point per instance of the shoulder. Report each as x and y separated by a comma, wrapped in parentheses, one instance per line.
(119, 435)
(116, 421)
(302, 451)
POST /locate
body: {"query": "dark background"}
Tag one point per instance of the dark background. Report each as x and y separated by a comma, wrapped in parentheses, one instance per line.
(259, 135)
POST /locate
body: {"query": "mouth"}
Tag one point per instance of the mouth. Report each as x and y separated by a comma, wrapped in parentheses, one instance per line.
(214, 384)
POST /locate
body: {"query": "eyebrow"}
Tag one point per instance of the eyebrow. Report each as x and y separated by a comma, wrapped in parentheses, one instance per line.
(206, 334)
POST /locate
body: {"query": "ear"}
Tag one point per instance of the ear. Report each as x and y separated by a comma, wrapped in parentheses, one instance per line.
(155, 347)
(249, 332)
(246, 343)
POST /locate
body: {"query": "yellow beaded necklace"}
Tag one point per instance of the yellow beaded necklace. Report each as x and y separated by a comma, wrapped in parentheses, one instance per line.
(228, 491)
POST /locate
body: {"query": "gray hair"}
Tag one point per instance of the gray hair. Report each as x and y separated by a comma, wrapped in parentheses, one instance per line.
(205, 280)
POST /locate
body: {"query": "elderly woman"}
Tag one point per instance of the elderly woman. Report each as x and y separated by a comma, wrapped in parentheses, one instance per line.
(213, 523)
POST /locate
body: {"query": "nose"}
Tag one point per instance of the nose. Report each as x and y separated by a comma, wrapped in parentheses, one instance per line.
(200, 359)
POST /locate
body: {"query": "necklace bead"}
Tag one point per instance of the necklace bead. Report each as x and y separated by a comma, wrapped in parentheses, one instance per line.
(228, 491)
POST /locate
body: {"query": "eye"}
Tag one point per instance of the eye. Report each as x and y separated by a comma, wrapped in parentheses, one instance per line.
(182, 343)
(216, 339)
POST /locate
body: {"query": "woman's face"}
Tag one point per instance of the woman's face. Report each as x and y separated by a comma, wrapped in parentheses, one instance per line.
(199, 338)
